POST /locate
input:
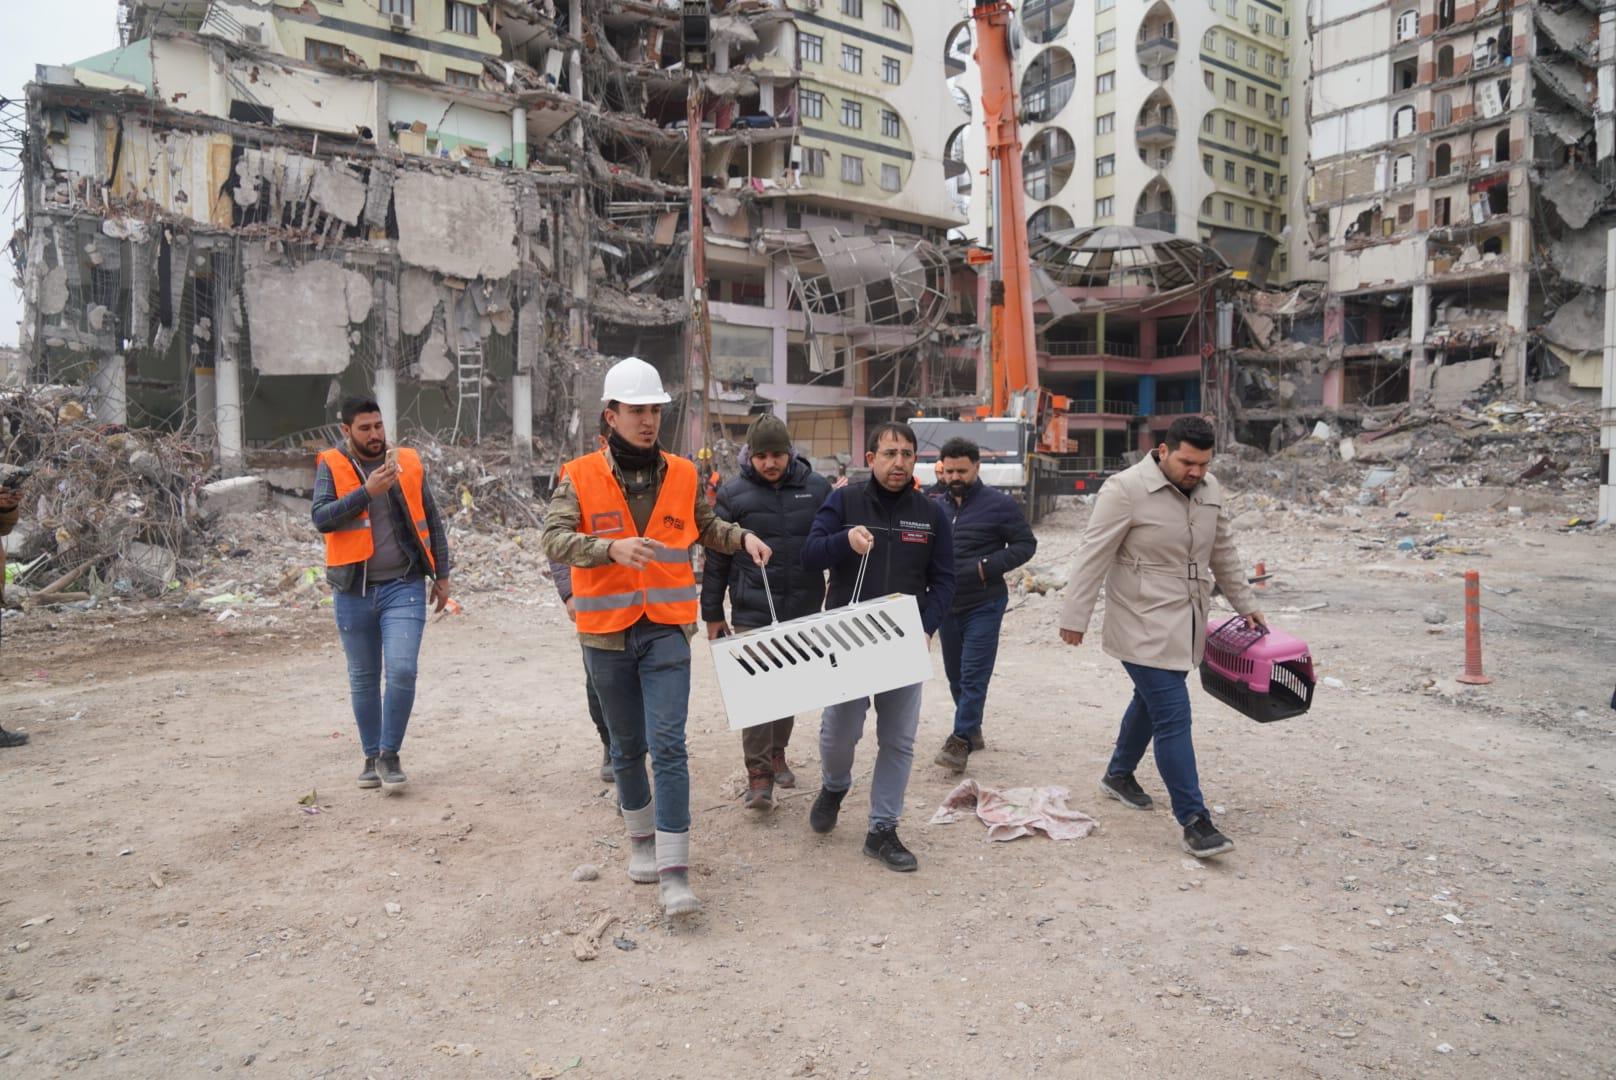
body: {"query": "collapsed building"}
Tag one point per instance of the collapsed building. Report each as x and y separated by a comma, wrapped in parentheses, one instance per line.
(254, 207)
(1460, 192)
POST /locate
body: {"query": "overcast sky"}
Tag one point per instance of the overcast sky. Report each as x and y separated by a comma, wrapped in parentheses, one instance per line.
(53, 32)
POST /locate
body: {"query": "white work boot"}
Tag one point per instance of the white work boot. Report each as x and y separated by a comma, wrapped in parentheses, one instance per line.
(673, 873)
(642, 839)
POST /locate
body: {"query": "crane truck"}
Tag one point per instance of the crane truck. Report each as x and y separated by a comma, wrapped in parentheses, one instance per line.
(1023, 429)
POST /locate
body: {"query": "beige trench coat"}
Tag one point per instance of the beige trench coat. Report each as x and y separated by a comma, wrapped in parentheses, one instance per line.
(1157, 551)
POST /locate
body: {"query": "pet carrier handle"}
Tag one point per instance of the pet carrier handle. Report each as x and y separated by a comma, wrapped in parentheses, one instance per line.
(858, 582)
(769, 593)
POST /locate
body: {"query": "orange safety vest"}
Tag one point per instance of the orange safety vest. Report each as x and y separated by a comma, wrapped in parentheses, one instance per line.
(613, 597)
(352, 543)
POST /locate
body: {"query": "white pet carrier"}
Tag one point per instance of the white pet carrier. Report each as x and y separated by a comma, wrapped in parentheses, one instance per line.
(833, 656)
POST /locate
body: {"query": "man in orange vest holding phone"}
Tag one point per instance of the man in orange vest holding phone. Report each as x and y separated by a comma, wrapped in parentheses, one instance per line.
(625, 519)
(383, 539)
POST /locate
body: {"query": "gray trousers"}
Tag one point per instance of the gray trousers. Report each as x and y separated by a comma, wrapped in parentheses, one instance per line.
(897, 717)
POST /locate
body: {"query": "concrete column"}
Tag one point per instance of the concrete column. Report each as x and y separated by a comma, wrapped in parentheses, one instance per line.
(229, 418)
(1520, 283)
(110, 390)
(1099, 391)
(519, 137)
(1099, 448)
(387, 397)
(1419, 375)
(522, 415)
(207, 400)
(1607, 399)
(1148, 347)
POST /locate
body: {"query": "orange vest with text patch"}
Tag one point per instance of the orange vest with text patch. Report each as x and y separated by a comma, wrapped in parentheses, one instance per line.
(613, 597)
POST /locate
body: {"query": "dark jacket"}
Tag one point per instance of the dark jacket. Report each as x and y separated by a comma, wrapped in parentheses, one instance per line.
(781, 517)
(914, 548)
(331, 513)
(991, 538)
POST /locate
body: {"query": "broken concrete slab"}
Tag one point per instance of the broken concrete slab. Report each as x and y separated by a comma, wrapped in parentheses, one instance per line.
(1470, 500)
(457, 225)
(418, 296)
(339, 193)
(322, 296)
(434, 365)
(1576, 195)
(1579, 324)
(238, 495)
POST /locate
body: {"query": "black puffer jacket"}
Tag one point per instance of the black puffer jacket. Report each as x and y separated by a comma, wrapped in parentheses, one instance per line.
(780, 516)
(991, 538)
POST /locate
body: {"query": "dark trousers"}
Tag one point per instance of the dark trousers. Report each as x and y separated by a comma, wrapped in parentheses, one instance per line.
(970, 649)
(759, 742)
(596, 713)
(1160, 712)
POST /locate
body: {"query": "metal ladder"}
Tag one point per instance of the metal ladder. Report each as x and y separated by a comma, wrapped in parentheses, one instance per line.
(469, 373)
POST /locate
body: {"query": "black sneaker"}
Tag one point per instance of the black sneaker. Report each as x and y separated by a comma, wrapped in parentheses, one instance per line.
(955, 754)
(828, 804)
(13, 738)
(1202, 839)
(392, 777)
(883, 844)
(607, 774)
(367, 775)
(1126, 790)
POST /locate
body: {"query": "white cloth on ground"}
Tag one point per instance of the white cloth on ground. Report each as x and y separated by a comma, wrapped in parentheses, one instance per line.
(1016, 812)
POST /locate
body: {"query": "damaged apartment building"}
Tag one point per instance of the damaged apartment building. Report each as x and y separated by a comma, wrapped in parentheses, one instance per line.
(254, 207)
(1460, 192)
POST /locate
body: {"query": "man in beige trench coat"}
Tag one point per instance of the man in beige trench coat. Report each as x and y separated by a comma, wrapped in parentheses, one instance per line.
(1156, 538)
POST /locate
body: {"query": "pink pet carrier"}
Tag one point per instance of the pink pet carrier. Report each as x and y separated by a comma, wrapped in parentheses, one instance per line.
(1263, 673)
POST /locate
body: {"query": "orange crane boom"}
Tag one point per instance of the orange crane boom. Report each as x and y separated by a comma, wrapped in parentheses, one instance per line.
(1014, 347)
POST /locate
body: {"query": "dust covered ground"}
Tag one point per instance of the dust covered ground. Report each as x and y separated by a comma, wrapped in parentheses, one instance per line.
(1421, 884)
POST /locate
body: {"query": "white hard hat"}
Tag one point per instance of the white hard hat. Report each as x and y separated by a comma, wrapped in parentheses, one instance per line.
(634, 382)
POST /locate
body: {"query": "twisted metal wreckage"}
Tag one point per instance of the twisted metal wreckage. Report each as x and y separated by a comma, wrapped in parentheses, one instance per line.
(224, 238)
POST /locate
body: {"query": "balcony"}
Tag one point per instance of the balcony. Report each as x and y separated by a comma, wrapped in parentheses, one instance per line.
(1156, 50)
(1042, 99)
(1108, 407)
(1159, 133)
(1160, 220)
(1092, 348)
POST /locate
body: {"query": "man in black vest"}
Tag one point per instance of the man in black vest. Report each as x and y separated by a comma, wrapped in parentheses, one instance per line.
(911, 550)
(775, 496)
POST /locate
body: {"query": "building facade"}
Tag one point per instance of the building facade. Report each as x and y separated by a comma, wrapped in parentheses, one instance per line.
(1458, 196)
(471, 208)
(1183, 117)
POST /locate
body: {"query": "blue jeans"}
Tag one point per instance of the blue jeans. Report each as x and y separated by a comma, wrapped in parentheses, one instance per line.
(381, 628)
(1160, 710)
(970, 649)
(645, 691)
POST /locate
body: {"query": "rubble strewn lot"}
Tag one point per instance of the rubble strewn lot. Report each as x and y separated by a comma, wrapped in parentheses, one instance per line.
(1422, 883)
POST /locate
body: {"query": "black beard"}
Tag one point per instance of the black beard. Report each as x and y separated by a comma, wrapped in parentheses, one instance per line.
(958, 487)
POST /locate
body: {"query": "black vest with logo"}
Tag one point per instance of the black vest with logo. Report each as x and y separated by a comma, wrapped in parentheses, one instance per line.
(905, 527)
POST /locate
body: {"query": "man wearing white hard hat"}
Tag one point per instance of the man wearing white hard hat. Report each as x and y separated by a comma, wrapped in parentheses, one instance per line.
(625, 518)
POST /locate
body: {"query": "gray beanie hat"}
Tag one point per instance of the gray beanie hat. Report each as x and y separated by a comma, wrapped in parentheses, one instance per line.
(768, 434)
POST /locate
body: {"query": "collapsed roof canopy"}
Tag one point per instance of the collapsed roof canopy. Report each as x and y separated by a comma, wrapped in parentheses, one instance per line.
(1117, 255)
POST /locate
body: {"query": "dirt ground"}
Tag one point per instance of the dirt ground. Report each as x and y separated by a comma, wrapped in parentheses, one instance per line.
(1421, 887)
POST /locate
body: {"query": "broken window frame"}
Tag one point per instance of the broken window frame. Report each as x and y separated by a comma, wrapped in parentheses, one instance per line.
(316, 51)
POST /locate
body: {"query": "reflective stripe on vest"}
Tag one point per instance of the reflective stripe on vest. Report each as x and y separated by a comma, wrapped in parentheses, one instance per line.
(352, 542)
(613, 597)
